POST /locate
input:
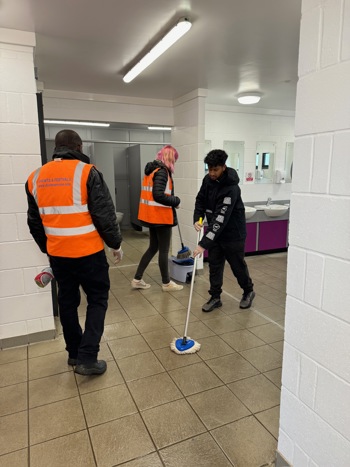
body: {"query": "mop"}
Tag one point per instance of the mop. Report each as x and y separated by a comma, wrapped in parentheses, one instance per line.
(186, 345)
(185, 252)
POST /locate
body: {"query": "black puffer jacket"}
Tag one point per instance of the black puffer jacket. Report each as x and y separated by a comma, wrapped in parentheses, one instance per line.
(220, 201)
(100, 206)
(160, 180)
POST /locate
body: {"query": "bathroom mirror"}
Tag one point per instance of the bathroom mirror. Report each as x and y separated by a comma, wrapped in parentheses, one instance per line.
(265, 161)
(235, 152)
(289, 161)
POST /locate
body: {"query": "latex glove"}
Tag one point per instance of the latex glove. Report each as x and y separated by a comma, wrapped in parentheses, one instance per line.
(118, 255)
(198, 251)
(198, 226)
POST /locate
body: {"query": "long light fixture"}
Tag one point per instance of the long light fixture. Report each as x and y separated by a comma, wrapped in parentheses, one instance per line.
(160, 128)
(249, 97)
(183, 26)
(68, 122)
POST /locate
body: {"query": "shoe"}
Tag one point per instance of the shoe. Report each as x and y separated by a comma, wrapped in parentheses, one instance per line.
(247, 300)
(141, 284)
(212, 304)
(95, 368)
(72, 361)
(171, 287)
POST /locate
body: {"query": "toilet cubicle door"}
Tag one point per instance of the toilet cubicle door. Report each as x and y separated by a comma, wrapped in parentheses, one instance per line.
(103, 159)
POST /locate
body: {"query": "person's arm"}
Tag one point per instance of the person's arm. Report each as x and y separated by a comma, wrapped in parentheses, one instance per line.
(34, 222)
(102, 210)
(160, 180)
(200, 205)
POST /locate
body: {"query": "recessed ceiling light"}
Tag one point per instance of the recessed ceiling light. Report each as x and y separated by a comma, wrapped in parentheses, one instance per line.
(249, 97)
(161, 128)
(68, 122)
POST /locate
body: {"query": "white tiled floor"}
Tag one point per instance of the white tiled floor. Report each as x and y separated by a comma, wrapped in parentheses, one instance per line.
(152, 408)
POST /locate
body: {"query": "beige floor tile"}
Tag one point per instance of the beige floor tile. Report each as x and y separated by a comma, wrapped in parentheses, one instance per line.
(152, 460)
(54, 420)
(160, 338)
(116, 315)
(231, 368)
(171, 360)
(112, 377)
(172, 422)
(15, 459)
(278, 346)
(141, 311)
(178, 317)
(217, 407)
(270, 419)
(13, 373)
(105, 353)
(13, 432)
(269, 333)
(119, 330)
(242, 340)
(13, 355)
(166, 303)
(212, 347)
(256, 393)
(140, 366)
(223, 324)
(275, 376)
(13, 398)
(48, 365)
(274, 312)
(264, 358)
(154, 390)
(151, 323)
(107, 404)
(198, 451)
(74, 449)
(48, 347)
(195, 378)
(128, 346)
(52, 389)
(250, 318)
(120, 441)
(196, 330)
(246, 443)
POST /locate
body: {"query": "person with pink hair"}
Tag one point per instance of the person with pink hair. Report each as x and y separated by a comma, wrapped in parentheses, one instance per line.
(157, 211)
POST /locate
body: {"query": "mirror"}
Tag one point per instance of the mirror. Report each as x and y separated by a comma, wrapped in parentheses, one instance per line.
(235, 152)
(265, 161)
(289, 161)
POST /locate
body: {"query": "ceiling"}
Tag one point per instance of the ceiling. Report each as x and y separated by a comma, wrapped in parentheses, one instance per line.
(233, 46)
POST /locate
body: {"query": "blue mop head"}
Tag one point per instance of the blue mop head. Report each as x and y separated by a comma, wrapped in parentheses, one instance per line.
(184, 345)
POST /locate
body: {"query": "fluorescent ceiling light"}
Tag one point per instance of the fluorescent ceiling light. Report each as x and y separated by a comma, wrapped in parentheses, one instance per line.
(68, 122)
(168, 40)
(162, 128)
(249, 98)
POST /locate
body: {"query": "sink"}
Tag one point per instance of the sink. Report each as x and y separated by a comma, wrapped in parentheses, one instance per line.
(275, 210)
(249, 211)
(260, 207)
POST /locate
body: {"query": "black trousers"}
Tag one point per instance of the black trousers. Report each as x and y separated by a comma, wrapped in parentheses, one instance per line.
(159, 239)
(91, 273)
(233, 252)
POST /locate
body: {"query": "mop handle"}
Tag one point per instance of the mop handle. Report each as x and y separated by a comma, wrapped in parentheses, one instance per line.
(191, 289)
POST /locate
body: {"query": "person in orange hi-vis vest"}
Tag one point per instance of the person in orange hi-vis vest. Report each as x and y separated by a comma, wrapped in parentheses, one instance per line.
(70, 216)
(157, 211)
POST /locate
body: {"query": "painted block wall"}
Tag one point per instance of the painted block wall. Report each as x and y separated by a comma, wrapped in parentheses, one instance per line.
(24, 308)
(224, 123)
(315, 398)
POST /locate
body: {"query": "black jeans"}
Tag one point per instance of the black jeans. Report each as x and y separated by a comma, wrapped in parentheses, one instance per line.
(159, 239)
(233, 252)
(91, 273)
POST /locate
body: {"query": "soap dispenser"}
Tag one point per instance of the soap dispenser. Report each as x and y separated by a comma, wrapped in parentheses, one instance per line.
(280, 176)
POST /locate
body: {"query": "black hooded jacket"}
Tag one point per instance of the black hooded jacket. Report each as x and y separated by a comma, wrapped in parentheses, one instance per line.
(160, 180)
(220, 201)
(100, 206)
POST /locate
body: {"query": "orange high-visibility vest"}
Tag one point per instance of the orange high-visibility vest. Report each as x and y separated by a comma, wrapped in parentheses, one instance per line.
(60, 191)
(149, 210)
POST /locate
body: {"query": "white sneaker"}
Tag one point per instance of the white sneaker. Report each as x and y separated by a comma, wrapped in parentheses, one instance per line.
(139, 284)
(171, 287)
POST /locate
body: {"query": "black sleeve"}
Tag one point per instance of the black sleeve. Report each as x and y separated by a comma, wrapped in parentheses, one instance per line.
(200, 204)
(102, 210)
(34, 222)
(160, 180)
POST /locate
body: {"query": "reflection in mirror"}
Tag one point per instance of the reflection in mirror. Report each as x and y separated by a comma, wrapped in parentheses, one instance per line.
(289, 161)
(235, 152)
(265, 161)
(207, 148)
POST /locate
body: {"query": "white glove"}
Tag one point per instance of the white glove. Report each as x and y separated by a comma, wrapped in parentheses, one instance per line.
(118, 255)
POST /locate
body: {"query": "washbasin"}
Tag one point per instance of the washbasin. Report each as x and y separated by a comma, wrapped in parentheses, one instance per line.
(249, 211)
(260, 207)
(275, 210)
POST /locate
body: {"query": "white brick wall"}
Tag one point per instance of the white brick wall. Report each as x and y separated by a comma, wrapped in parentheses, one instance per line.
(24, 308)
(315, 402)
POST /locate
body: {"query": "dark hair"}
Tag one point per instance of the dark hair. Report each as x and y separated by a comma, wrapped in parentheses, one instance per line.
(69, 139)
(216, 157)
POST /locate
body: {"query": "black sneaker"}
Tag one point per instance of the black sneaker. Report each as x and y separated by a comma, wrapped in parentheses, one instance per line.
(212, 304)
(247, 300)
(95, 368)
